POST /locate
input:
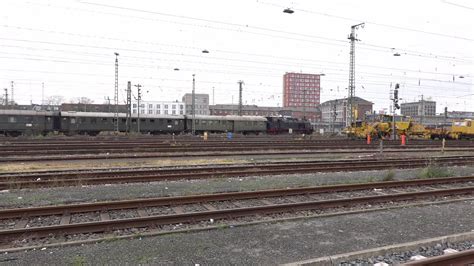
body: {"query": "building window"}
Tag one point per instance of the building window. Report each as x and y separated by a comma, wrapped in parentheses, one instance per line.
(181, 106)
(173, 107)
(134, 111)
(166, 112)
(173, 112)
(150, 112)
(166, 106)
(142, 111)
(158, 112)
(134, 105)
(157, 106)
(150, 106)
(181, 112)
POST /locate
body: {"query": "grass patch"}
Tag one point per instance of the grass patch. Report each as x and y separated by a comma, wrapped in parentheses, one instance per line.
(78, 260)
(389, 176)
(433, 171)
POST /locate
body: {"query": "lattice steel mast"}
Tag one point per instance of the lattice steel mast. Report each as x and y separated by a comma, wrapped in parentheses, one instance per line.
(351, 88)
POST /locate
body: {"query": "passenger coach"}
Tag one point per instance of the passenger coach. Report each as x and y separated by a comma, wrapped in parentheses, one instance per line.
(25, 122)
(220, 124)
(91, 123)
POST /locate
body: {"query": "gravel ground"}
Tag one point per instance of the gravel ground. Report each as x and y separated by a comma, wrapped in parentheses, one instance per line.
(266, 244)
(65, 195)
(401, 257)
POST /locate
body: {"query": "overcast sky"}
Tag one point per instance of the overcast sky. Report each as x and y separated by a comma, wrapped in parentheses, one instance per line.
(69, 46)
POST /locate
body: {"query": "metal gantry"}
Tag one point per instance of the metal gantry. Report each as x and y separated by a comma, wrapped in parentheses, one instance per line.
(129, 106)
(139, 97)
(240, 96)
(193, 123)
(116, 94)
(351, 88)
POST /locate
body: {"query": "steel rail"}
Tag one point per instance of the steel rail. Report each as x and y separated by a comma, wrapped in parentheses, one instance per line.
(230, 171)
(110, 146)
(202, 153)
(162, 201)
(151, 169)
(465, 257)
(150, 221)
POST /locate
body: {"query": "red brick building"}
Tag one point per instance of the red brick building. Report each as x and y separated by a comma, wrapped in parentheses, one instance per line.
(302, 91)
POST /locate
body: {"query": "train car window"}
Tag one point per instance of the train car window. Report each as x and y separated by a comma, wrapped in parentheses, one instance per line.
(469, 123)
(12, 119)
(152, 120)
(142, 120)
(73, 120)
(48, 118)
(134, 120)
(176, 122)
(124, 120)
(104, 119)
(204, 122)
(93, 120)
(83, 120)
(197, 122)
(210, 122)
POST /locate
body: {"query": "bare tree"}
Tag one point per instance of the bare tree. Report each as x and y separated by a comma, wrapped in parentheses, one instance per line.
(81, 100)
(55, 100)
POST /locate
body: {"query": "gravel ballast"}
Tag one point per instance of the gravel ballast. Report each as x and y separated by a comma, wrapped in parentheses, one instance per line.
(269, 243)
(68, 195)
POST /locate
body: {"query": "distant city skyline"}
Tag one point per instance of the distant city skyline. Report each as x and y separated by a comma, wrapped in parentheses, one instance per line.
(69, 47)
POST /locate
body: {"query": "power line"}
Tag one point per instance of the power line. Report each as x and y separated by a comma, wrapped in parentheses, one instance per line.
(376, 23)
(225, 59)
(245, 29)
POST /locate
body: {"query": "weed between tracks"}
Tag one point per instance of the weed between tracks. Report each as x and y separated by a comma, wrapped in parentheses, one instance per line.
(389, 176)
(433, 171)
(78, 260)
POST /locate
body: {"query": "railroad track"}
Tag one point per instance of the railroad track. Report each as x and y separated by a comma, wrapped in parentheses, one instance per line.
(120, 149)
(101, 217)
(201, 143)
(465, 257)
(32, 180)
(203, 153)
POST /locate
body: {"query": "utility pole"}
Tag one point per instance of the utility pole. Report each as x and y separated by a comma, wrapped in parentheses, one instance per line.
(445, 115)
(334, 116)
(116, 100)
(213, 103)
(42, 95)
(139, 97)
(13, 93)
(108, 103)
(240, 97)
(304, 103)
(422, 109)
(193, 123)
(129, 105)
(6, 97)
(351, 88)
(395, 107)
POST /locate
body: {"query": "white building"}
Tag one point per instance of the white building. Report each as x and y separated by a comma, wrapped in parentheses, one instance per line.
(159, 108)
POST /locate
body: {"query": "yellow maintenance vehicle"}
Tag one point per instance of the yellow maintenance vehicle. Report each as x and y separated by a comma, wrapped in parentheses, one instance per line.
(384, 128)
(462, 130)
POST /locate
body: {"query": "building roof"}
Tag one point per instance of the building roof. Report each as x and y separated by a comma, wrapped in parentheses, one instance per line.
(356, 100)
(25, 112)
(419, 102)
(230, 117)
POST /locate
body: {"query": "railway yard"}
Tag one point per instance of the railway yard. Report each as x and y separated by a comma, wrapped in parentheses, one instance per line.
(252, 200)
